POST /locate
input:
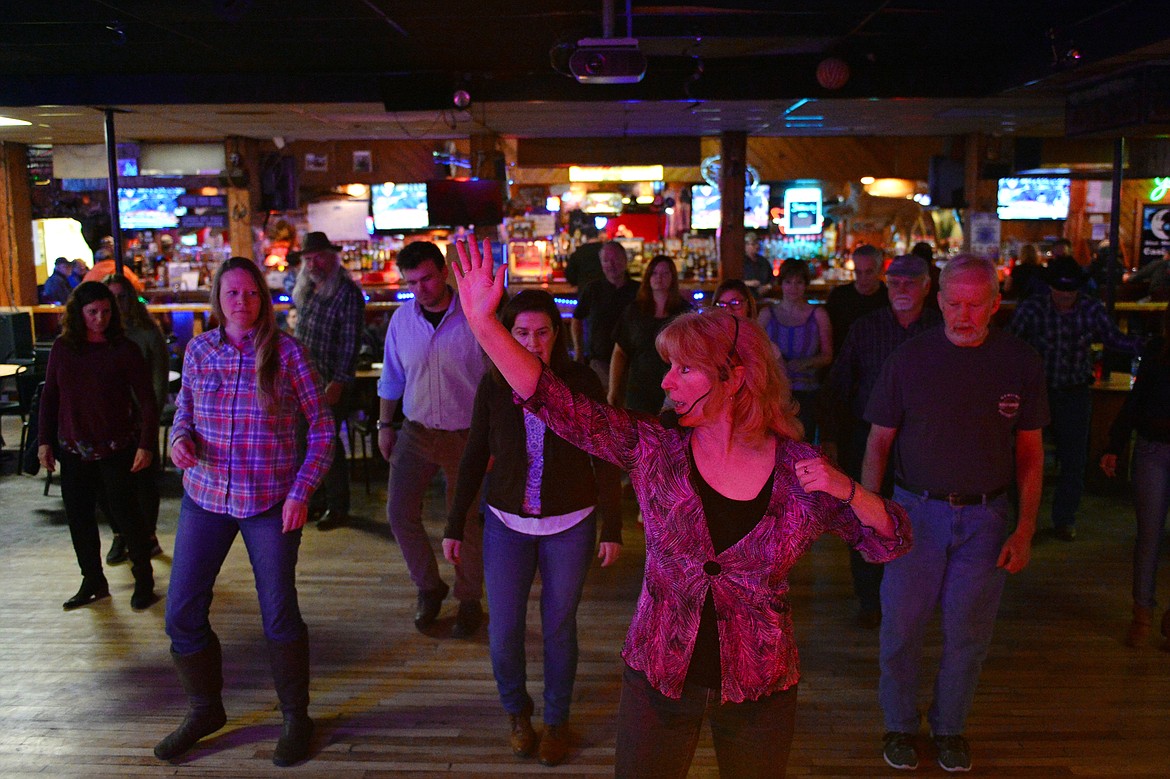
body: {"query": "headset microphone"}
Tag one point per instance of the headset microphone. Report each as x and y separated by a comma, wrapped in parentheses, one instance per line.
(670, 417)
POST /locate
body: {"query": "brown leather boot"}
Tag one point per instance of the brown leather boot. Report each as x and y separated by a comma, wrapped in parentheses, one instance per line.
(554, 744)
(522, 738)
(1139, 628)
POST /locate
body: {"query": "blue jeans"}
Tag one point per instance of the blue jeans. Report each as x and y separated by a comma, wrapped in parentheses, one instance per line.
(657, 735)
(1151, 484)
(202, 543)
(952, 566)
(1070, 410)
(510, 561)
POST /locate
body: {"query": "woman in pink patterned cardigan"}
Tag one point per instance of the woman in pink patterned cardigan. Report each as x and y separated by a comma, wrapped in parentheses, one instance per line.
(730, 499)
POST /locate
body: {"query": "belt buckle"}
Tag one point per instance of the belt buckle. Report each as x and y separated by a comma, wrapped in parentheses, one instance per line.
(955, 499)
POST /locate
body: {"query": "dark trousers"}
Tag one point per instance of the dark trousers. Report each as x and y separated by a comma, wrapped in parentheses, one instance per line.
(334, 493)
(867, 577)
(82, 481)
(657, 735)
(1070, 409)
(146, 490)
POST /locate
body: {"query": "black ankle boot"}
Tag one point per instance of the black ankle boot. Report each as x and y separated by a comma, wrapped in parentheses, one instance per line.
(201, 675)
(144, 596)
(290, 671)
(93, 588)
(293, 745)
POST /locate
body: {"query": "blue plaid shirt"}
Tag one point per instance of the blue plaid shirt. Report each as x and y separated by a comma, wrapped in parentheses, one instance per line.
(330, 326)
(1064, 340)
(869, 343)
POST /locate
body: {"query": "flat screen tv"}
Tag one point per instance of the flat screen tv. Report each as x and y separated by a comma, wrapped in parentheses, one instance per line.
(149, 208)
(399, 207)
(1033, 198)
(706, 205)
(463, 202)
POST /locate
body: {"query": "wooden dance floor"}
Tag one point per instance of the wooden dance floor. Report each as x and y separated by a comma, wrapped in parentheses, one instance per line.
(88, 693)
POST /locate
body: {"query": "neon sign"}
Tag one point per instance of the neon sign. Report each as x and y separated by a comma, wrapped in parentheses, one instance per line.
(1161, 187)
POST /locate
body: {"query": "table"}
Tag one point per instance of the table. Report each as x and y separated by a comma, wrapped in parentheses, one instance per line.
(8, 369)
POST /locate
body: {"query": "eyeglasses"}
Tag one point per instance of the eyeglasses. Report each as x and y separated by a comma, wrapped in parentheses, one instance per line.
(733, 303)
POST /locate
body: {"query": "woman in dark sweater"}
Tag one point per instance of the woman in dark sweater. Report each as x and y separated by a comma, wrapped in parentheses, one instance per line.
(97, 417)
(1146, 410)
(545, 498)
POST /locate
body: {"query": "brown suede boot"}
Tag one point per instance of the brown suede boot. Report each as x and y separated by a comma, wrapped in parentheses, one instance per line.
(522, 738)
(1139, 628)
(554, 744)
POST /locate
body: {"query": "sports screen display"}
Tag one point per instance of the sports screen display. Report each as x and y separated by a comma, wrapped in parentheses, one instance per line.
(1033, 198)
(149, 208)
(399, 206)
(706, 204)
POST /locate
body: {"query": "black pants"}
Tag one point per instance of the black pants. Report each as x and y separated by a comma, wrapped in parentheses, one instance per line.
(334, 492)
(81, 483)
(146, 489)
(867, 577)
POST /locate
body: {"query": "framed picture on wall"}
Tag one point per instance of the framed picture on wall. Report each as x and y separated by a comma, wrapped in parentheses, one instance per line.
(363, 162)
(317, 162)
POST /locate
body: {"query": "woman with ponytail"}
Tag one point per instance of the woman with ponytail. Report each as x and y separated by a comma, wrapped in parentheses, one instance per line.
(245, 385)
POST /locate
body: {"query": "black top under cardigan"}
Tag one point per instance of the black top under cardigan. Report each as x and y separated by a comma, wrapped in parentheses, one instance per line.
(571, 480)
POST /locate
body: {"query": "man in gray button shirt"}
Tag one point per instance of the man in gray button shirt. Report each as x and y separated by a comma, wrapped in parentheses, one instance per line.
(432, 365)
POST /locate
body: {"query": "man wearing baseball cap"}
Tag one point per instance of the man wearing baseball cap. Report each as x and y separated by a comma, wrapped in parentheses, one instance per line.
(1063, 325)
(870, 340)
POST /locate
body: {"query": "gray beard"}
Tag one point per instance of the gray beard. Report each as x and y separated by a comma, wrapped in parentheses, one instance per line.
(306, 287)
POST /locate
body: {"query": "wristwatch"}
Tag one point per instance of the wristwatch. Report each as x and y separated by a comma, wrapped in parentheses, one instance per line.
(380, 424)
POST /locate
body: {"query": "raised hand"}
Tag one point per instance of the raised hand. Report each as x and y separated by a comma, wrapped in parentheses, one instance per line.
(480, 290)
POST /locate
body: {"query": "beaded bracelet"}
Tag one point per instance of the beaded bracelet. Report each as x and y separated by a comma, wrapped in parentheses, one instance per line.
(852, 491)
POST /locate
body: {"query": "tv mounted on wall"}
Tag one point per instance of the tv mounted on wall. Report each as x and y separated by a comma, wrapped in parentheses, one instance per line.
(463, 202)
(706, 204)
(1033, 198)
(399, 207)
(149, 208)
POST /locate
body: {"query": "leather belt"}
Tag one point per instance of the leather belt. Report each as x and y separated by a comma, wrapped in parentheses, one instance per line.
(955, 498)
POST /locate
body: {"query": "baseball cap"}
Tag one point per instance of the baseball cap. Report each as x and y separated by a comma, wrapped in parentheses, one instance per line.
(907, 265)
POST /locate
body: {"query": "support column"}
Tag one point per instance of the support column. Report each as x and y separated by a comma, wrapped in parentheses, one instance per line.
(242, 154)
(974, 152)
(487, 162)
(732, 183)
(18, 275)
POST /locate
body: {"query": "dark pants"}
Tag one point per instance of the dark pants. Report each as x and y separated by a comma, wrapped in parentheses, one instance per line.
(867, 577)
(334, 493)
(82, 481)
(146, 490)
(1070, 410)
(657, 735)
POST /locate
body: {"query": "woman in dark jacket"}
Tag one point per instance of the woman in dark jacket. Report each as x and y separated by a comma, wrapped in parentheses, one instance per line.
(544, 500)
(97, 417)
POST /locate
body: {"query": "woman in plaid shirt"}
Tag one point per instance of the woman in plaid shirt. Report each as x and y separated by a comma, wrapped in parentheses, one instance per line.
(245, 385)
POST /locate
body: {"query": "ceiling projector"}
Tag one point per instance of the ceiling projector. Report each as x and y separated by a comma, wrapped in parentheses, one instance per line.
(607, 61)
